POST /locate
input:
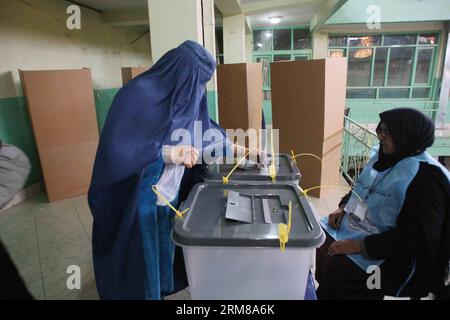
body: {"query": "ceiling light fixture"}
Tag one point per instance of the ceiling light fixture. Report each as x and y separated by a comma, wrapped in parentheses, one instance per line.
(275, 20)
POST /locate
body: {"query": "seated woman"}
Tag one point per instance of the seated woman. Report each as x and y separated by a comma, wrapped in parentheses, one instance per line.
(396, 220)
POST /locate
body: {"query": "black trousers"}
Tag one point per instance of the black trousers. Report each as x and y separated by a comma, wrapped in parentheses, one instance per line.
(12, 286)
(340, 278)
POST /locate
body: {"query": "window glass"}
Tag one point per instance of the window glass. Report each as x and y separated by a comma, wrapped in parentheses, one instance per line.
(392, 40)
(282, 39)
(337, 41)
(393, 93)
(427, 39)
(380, 66)
(262, 40)
(400, 66)
(359, 65)
(219, 42)
(364, 41)
(302, 39)
(421, 93)
(424, 57)
(281, 57)
(337, 53)
(361, 93)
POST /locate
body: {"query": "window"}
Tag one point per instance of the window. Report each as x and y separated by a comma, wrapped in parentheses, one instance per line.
(280, 44)
(281, 57)
(364, 41)
(282, 39)
(380, 66)
(265, 61)
(262, 40)
(359, 64)
(302, 39)
(389, 66)
(400, 66)
(423, 67)
(337, 41)
(219, 46)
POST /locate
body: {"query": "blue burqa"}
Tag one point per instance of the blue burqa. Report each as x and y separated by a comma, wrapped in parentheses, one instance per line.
(132, 250)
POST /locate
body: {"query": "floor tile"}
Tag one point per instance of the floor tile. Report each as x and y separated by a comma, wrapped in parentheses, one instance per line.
(62, 241)
(56, 285)
(18, 235)
(36, 288)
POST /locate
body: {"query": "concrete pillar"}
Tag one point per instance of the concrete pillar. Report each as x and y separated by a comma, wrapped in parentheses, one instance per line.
(209, 31)
(174, 21)
(249, 47)
(320, 45)
(234, 39)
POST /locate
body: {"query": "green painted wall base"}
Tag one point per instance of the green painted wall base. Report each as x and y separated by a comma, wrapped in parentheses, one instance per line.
(15, 124)
(103, 100)
(16, 129)
(211, 97)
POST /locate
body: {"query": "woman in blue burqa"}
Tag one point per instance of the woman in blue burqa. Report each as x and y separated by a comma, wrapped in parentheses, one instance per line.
(132, 250)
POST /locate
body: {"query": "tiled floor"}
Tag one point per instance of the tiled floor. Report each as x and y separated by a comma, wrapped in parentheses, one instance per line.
(45, 239)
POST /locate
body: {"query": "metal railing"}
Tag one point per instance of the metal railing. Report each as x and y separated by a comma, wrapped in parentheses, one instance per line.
(357, 141)
(358, 138)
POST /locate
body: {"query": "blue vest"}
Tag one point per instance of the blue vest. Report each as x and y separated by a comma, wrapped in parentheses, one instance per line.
(382, 194)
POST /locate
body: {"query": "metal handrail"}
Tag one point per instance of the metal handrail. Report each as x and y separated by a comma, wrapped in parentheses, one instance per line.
(357, 142)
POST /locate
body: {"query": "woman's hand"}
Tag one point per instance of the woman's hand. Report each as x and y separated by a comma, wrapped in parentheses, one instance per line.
(254, 153)
(190, 157)
(345, 247)
(181, 155)
(335, 218)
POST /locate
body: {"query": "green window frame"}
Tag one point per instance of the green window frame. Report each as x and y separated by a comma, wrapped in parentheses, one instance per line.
(381, 84)
(291, 51)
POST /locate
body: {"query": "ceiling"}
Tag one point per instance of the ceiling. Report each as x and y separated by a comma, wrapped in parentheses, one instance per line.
(293, 15)
(103, 5)
(294, 12)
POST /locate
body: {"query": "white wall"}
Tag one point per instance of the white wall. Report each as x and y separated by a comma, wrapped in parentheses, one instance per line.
(249, 47)
(33, 35)
(172, 22)
(234, 39)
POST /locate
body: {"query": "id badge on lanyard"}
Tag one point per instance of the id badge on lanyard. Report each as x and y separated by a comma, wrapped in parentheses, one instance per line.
(360, 210)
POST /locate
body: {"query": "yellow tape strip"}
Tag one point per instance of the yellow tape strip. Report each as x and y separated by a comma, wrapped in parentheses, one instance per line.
(226, 179)
(178, 213)
(303, 154)
(284, 230)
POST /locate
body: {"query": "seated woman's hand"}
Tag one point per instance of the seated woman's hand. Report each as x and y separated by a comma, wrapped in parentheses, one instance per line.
(335, 218)
(345, 247)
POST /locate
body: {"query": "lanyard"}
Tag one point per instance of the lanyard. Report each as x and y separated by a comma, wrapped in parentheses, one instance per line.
(375, 183)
